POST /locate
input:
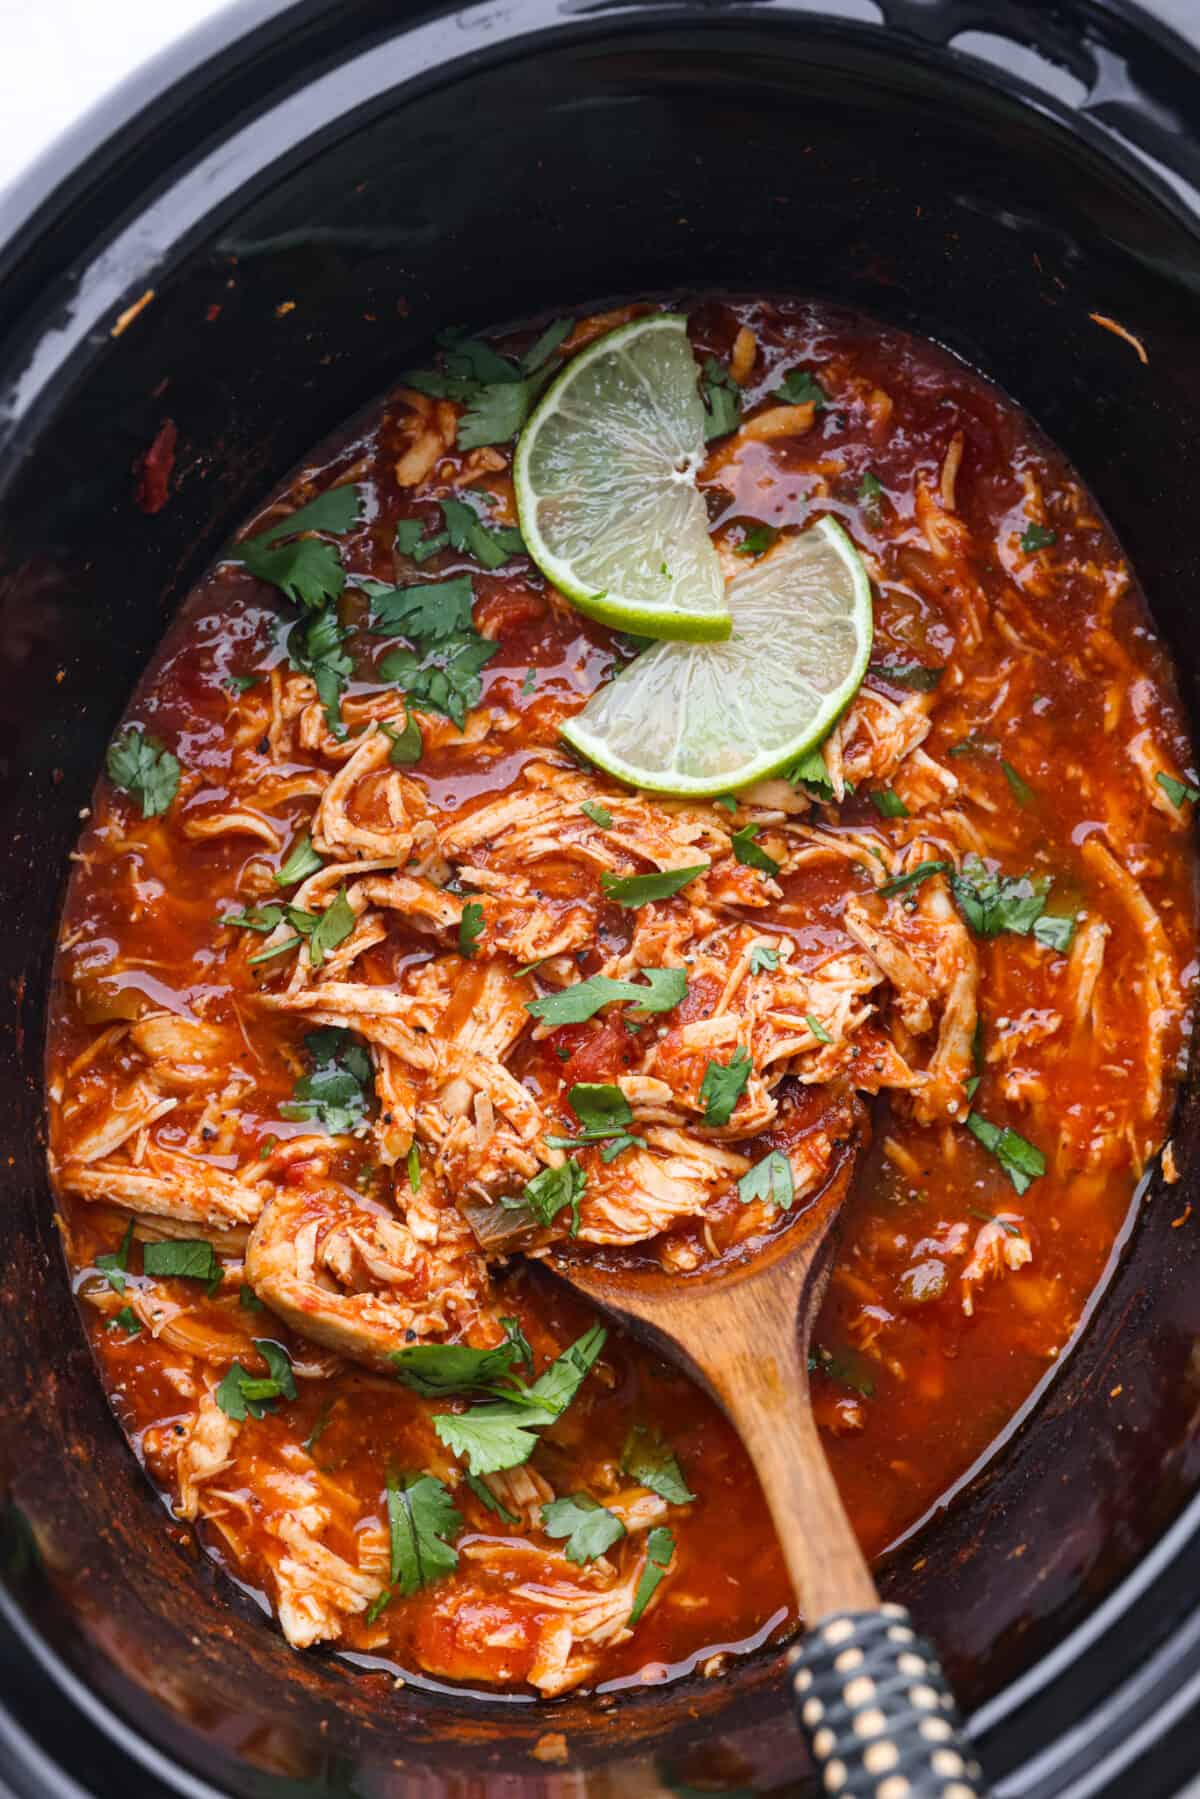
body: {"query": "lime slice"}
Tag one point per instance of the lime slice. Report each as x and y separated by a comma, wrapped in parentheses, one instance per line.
(714, 717)
(605, 477)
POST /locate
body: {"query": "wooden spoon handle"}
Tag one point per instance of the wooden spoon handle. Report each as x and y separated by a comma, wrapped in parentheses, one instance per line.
(879, 1716)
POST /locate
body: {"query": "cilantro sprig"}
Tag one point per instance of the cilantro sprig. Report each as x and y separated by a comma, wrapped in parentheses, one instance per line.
(336, 1094)
(503, 1432)
(546, 1195)
(748, 852)
(648, 1459)
(422, 1521)
(992, 902)
(309, 572)
(664, 988)
(721, 397)
(242, 1394)
(498, 393)
(1021, 1160)
(142, 767)
(437, 1369)
(723, 1084)
(183, 1258)
(631, 891)
(114, 1265)
(660, 1547)
(770, 1179)
(589, 1527)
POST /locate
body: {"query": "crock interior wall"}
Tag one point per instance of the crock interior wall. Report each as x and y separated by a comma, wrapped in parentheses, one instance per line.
(744, 159)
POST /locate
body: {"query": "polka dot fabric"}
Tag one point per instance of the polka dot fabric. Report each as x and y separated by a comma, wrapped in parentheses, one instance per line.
(880, 1719)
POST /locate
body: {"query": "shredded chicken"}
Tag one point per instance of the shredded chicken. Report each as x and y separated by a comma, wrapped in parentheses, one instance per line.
(357, 1281)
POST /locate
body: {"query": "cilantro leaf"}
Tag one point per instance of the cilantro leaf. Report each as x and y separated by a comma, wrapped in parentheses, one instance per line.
(888, 804)
(845, 1367)
(1179, 793)
(810, 771)
(471, 359)
(721, 397)
(1037, 537)
(763, 958)
(429, 611)
(308, 572)
(611, 1143)
(140, 766)
(992, 903)
(915, 676)
(590, 1528)
(660, 1547)
(128, 1320)
(489, 1437)
(262, 919)
(648, 1459)
(599, 815)
(183, 1258)
(407, 744)
(1022, 792)
(922, 872)
(447, 679)
(756, 541)
(769, 1179)
(558, 1385)
(722, 1086)
(747, 852)
(335, 1094)
(334, 511)
(242, 1394)
(435, 1369)
(302, 862)
(543, 347)
(421, 1517)
(487, 1498)
(1055, 931)
(817, 1028)
(630, 891)
(491, 545)
(870, 492)
(583, 999)
(1020, 1160)
(502, 1434)
(798, 388)
(548, 1192)
(495, 413)
(599, 1106)
(315, 648)
(412, 542)
(114, 1265)
(470, 927)
(332, 927)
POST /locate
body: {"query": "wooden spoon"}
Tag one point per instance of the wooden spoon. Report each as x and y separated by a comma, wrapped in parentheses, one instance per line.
(870, 1694)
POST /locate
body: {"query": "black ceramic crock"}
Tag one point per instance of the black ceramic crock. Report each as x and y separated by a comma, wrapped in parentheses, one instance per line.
(299, 196)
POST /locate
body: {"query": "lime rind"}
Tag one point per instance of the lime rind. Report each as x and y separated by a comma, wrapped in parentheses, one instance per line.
(604, 476)
(701, 719)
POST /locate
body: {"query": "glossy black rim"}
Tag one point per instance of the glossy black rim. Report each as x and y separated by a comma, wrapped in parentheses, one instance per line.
(1123, 1689)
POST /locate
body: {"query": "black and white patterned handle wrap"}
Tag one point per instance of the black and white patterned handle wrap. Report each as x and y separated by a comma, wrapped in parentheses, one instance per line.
(879, 1717)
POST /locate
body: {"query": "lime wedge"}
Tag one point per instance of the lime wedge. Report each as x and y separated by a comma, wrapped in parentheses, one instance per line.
(711, 718)
(605, 477)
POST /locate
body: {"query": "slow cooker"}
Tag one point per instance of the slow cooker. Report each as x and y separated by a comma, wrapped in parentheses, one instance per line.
(249, 242)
